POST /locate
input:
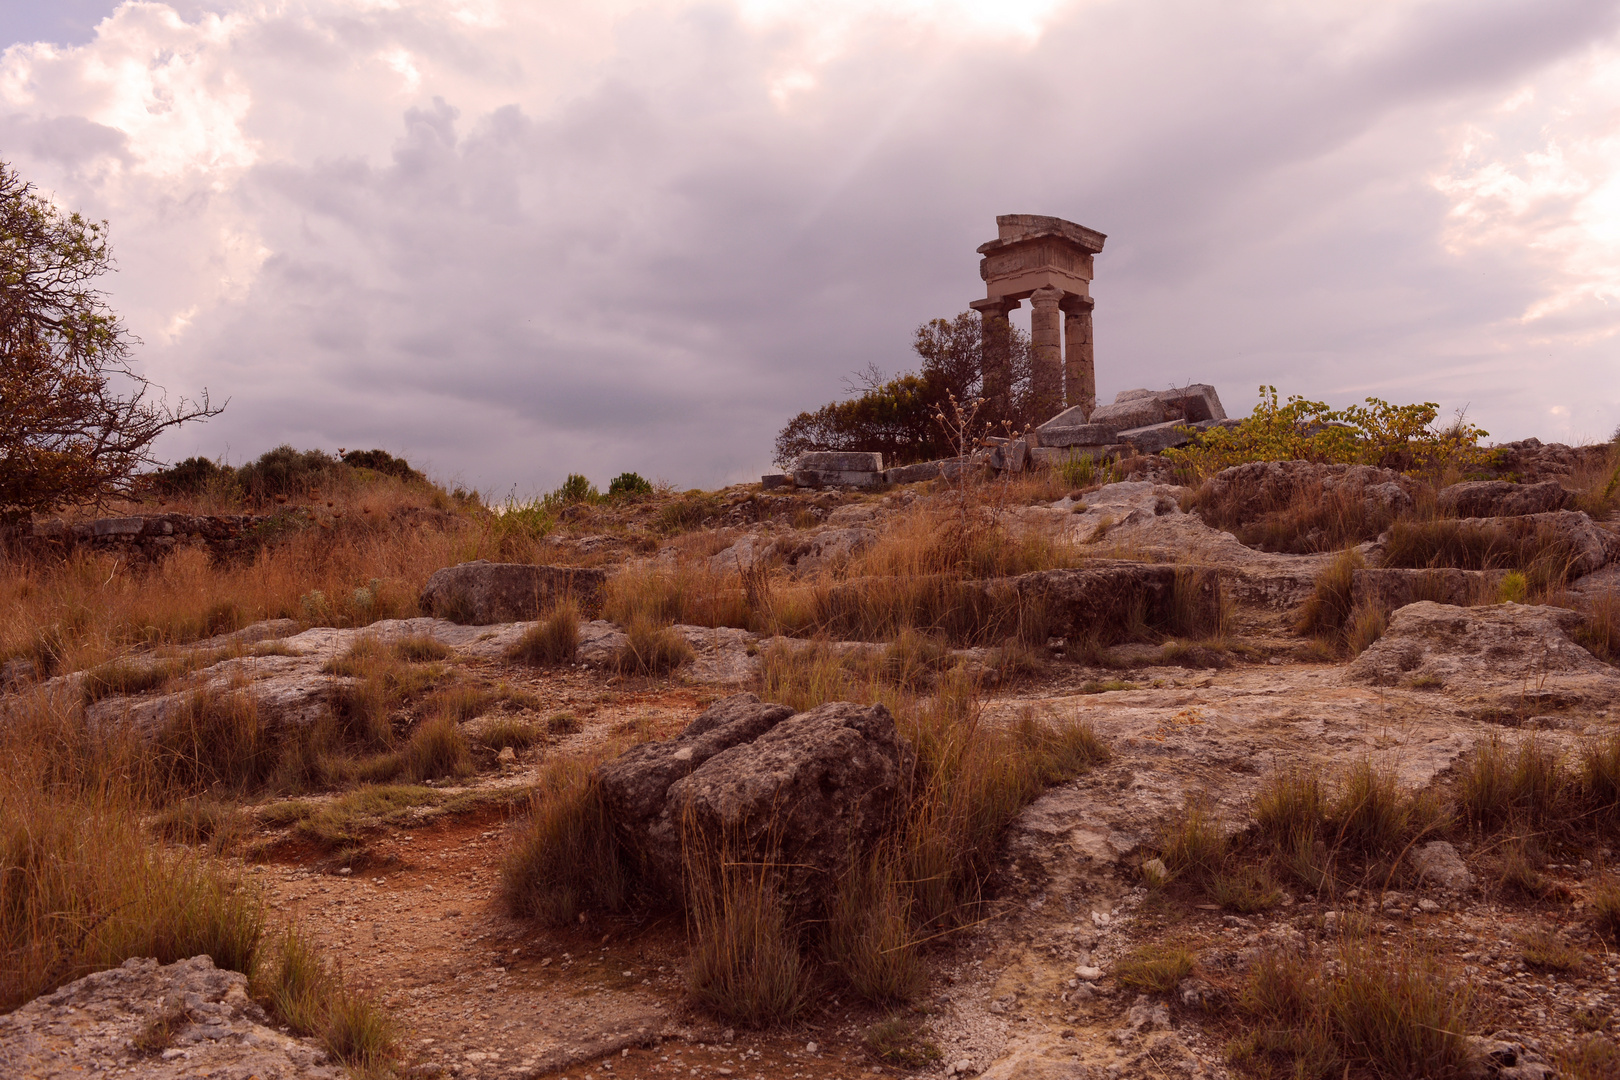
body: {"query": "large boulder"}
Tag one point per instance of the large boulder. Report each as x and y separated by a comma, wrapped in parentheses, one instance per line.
(482, 592)
(1581, 545)
(1498, 498)
(826, 468)
(1131, 413)
(803, 791)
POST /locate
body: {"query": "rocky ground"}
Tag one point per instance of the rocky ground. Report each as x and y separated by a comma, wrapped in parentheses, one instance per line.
(1030, 993)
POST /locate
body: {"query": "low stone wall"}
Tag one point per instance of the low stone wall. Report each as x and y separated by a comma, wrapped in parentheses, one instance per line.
(147, 538)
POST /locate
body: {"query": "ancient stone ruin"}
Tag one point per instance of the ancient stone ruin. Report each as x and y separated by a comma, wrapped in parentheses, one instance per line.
(1047, 261)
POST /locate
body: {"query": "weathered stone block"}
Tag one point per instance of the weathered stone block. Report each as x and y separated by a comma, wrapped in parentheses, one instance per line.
(819, 478)
(129, 526)
(482, 592)
(1195, 402)
(1157, 437)
(839, 461)
(1077, 435)
(1131, 414)
(1107, 597)
(1051, 457)
(803, 791)
(1011, 456)
(911, 474)
(771, 481)
(1393, 587)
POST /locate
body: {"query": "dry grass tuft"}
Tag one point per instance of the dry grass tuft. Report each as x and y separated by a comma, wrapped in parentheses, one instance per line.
(568, 859)
(1373, 1009)
(869, 937)
(312, 999)
(651, 650)
(1328, 610)
(554, 640)
(1604, 903)
(1528, 787)
(1156, 969)
(899, 1041)
(1538, 551)
(1193, 846)
(745, 963)
(1546, 951)
(1601, 632)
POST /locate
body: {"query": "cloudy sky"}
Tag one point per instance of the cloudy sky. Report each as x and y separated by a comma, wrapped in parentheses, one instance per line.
(512, 240)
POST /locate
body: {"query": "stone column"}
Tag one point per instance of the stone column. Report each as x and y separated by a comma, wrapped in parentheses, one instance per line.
(995, 366)
(1046, 338)
(1079, 356)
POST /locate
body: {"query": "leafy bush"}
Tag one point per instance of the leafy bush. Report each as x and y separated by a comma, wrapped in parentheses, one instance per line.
(287, 473)
(575, 489)
(380, 461)
(629, 484)
(1401, 437)
(896, 417)
(191, 477)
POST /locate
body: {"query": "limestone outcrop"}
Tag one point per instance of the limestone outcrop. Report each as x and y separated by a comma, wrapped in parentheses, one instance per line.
(1482, 646)
(1245, 494)
(155, 1022)
(1498, 498)
(481, 592)
(802, 791)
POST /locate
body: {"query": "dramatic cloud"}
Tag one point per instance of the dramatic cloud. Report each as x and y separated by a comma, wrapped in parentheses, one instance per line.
(516, 240)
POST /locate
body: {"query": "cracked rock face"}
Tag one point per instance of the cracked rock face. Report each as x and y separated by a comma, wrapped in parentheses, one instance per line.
(802, 789)
(186, 1019)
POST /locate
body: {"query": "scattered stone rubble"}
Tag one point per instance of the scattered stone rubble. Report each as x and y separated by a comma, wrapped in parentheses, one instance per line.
(1140, 422)
(150, 1022)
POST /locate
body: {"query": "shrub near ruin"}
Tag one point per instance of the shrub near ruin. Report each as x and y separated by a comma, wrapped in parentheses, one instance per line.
(1400, 437)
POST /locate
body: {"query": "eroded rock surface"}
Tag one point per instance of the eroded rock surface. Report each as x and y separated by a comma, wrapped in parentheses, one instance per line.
(1484, 647)
(155, 1022)
(1499, 498)
(803, 790)
(483, 592)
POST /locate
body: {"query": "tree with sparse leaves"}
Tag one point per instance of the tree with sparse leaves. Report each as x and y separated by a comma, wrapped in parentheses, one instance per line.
(76, 420)
(896, 417)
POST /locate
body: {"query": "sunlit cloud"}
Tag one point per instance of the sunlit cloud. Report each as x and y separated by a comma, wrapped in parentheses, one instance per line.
(521, 239)
(1541, 175)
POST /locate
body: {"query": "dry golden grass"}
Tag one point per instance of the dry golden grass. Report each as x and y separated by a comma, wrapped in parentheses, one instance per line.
(93, 607)
(1376, 1010)
(83, 887)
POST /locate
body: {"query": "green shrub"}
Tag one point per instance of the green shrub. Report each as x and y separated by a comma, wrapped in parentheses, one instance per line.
(287, 472)
(1401, 437)
(629, 485)
(574, 489)
(381, 461)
